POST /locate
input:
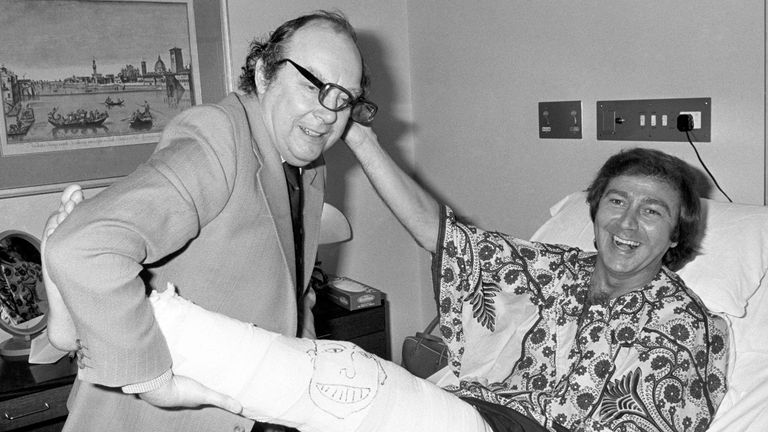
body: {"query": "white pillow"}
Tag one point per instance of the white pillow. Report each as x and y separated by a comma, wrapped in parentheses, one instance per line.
(734, 250)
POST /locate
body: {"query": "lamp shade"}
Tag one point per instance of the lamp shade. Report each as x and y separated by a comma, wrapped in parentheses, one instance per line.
(334, 226)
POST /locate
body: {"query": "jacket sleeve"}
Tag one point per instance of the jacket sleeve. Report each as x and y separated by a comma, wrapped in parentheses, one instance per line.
(96, 255)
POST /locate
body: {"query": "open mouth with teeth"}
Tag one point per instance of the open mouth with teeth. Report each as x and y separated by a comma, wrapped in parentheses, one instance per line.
(343, 394)
(624, 244)
(309, 132)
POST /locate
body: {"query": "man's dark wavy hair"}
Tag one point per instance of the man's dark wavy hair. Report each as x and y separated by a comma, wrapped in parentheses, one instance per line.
(272, 50)
(670, 170)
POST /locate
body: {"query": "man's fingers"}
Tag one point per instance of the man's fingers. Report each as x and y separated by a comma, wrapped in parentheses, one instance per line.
(226, 403)
(196, 394)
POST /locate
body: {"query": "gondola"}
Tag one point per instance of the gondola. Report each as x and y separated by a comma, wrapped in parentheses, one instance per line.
(77, 118)
(140, 120)
(19, 129)
(24, 121)
(110, 102)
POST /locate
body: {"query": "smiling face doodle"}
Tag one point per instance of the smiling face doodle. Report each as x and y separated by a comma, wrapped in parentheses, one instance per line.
(346, 379)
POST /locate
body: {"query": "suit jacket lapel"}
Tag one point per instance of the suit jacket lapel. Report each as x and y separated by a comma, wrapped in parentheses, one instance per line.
(314, 194)
(271, 182)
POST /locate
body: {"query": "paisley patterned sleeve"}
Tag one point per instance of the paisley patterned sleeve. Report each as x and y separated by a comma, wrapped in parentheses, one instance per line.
(673, 377)
(473, 269)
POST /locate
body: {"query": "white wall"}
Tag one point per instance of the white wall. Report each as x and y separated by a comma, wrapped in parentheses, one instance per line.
(487, 64)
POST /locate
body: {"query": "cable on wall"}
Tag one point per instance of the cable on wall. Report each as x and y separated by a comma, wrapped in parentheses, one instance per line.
(685, 124)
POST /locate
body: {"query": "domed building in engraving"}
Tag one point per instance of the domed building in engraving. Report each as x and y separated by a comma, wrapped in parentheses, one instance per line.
(160, 66)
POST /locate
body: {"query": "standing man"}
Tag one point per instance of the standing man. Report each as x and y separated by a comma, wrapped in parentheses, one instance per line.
(210, 212)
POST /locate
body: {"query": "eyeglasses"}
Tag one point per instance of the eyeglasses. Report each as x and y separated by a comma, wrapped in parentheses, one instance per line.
(336, 98)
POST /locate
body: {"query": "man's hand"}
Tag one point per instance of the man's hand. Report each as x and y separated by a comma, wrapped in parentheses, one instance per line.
(356, 134)
(308, 318)
(181, 391)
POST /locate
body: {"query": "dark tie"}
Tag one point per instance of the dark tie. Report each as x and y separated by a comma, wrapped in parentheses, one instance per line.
(296, 196)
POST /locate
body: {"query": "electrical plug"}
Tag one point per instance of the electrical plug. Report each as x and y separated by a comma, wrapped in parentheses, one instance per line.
(685, 122)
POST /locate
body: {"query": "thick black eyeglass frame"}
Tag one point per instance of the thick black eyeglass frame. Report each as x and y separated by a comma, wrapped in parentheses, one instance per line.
(363, 111)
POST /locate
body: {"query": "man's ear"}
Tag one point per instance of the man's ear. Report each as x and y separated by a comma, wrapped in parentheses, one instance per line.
(675, 237)
(259, 77)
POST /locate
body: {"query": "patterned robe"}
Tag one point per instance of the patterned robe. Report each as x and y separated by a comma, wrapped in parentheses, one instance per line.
(651, 360)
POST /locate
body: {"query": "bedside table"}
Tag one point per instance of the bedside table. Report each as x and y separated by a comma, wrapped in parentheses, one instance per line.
(365, 327)
(34, 397)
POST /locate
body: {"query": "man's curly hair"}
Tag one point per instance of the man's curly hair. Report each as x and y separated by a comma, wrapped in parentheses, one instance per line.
(271, 50)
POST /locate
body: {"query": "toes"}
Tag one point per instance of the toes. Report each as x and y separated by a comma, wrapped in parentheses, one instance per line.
(69, 191)
(48, 231)
(51, 224)
(78, 196)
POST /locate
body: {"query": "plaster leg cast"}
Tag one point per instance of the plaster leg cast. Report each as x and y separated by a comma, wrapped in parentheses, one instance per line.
(313, 385)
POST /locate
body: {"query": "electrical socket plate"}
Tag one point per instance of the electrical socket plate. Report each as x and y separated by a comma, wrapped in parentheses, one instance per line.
(653, 119)
(560, 120)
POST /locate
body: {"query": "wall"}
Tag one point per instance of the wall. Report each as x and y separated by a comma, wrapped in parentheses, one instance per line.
(486, 65)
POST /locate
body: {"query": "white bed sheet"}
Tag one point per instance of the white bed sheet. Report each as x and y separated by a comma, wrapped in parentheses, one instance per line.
(745, 407)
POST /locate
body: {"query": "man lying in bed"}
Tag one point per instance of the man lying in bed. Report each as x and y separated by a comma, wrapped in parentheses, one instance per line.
(620, 343)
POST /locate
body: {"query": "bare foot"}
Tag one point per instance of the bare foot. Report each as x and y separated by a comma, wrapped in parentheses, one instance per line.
(61, 328)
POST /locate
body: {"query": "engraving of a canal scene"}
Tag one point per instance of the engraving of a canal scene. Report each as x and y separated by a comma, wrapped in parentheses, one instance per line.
(86, 74)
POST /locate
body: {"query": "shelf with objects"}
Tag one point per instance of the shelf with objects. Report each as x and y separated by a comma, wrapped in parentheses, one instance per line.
(366, 327)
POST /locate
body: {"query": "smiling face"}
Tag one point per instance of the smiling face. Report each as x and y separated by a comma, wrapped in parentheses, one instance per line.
(346, 379)
(634, 224)
(300, 127)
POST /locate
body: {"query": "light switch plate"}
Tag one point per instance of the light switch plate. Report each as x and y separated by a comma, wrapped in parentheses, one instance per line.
(652, 119)
(560, 119)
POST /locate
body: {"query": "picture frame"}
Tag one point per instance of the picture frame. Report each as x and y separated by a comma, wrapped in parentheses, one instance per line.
(226, 39)
(91, 110)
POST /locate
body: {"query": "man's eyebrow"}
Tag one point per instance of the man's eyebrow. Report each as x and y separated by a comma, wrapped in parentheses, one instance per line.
(645, 200)
(615, 191)
(658, 202)
(356, 91)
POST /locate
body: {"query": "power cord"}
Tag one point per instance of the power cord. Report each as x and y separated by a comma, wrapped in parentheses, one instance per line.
(685, 124)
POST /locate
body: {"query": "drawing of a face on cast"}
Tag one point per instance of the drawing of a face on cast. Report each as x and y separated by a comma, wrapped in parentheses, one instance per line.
(346, 378)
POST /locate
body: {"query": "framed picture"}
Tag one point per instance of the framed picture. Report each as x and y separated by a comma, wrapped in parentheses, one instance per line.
(87, 87)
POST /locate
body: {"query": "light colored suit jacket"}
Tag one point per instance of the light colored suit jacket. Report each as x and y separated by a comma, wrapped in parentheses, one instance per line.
(208, 212)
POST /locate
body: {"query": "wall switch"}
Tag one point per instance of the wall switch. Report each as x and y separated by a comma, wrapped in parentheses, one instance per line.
(652, 119)
(561, 120)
